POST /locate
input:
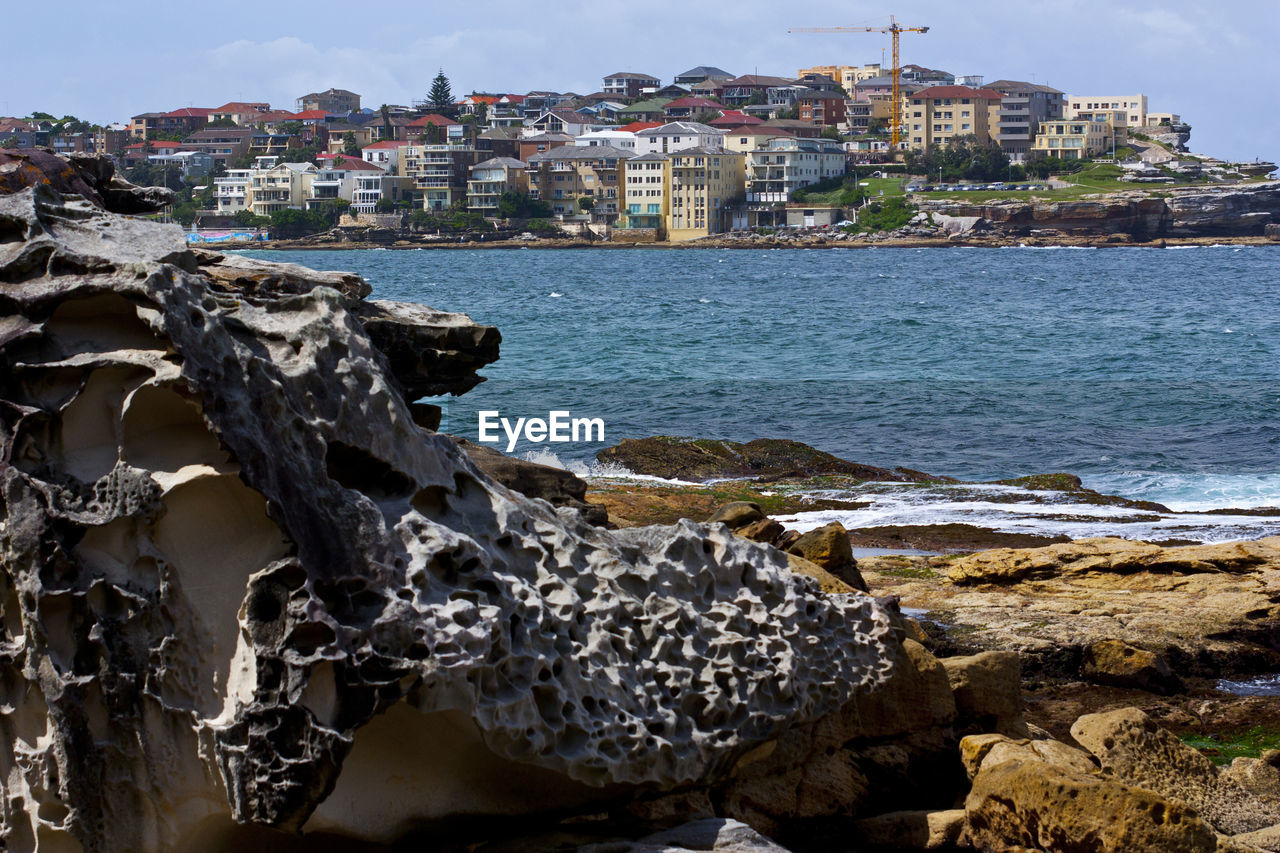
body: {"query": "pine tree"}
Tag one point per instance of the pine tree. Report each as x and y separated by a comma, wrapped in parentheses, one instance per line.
(441, 96)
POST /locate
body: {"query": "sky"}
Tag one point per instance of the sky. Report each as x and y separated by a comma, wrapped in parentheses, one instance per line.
(1215, 63)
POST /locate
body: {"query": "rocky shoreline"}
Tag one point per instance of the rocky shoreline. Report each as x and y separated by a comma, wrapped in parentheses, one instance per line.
(252, 599)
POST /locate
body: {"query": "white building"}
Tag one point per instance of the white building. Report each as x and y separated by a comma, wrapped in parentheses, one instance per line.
(1123, 111)
(783, 165)
(624, 140)
(233, 191)
(678, 135)
(385, 154)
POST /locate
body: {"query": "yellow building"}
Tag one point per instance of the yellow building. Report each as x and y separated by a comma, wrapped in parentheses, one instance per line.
(491, 179)
(284, 186)
(647, 181)
(845, 75)
(1073, 140)
(705, 186)
(563, 177)
(934, 116)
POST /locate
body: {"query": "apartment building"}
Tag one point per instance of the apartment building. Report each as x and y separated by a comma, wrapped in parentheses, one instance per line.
(936, 115)
(372, 188)
(184, 121)
(821, 108)
(744, 139)
(782, 165)
(1073, 140)
(1123, 111)
(334, 101)
(858, 114)
(280, 187)
(750, 88)
(646, 196)
(677, 135)
(490, 179)
(338, 181)
(224, 143)
(439, 172)
(705, 186)
(1023, 107)
(628, 84)
(622, 139)
(846, 75)
(385, 155)
(562, 176)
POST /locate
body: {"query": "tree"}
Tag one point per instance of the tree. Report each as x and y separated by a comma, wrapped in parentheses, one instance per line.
(514, 205)
(293, 128)
(430, 134)
(349, 144)
(387, 133)
(222, 122)
(586, 204)
(876, 125)
(292, 222)
(441, 95)
(830, 132)
(707, 116)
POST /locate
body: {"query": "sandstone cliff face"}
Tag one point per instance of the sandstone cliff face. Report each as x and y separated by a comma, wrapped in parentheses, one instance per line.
(1208, 213)
(241, 586)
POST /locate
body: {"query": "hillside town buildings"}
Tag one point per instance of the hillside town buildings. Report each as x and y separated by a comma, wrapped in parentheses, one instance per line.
(708, 151)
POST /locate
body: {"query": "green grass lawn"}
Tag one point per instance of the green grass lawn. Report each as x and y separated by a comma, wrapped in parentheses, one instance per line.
(1221, 749)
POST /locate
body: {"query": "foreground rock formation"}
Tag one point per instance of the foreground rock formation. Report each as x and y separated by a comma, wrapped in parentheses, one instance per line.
(243, 588)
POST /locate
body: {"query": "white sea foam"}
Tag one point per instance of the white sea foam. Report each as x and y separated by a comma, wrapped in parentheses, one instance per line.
(555, 295)
(1041, 513)
(597, 470)
(1192, 492)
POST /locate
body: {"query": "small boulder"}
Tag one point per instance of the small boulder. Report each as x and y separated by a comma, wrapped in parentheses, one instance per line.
(988, 693)
(738, 514)
(1131, 747)
(979, 751)
(1034, 805)
(1118, 664)
(766, 530)
(828, 546)
(911, 830)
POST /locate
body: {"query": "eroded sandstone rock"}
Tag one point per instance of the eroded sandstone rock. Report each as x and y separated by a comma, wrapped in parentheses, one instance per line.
(243, 587)
(1132, 748)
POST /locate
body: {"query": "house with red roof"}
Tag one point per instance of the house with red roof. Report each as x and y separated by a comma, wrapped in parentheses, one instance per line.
(384, 154)
(938, 114)
(691, 107)
(240, 112)
(416, 129)
(639, 125)
(733, 118)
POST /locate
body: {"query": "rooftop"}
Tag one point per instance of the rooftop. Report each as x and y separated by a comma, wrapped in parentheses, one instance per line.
(957, 92)
(580, 152)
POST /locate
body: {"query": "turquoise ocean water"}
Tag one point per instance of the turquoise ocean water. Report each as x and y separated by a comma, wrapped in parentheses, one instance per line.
(1150, 373)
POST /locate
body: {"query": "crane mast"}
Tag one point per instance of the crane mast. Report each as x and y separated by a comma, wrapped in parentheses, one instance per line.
(895, 29)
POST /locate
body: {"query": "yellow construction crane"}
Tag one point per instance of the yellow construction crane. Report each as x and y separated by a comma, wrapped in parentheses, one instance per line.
(895, 29)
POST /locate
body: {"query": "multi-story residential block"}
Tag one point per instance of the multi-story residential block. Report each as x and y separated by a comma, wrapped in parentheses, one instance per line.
(1023, 106)
(562, 176)
(439, 172)
(72, 143)
(1070, 139)
(110, 140)
(705, 186)
(335, 101)
(224, 143)
(184, 121)
(858, 114)
(821, 108)
(1123, 111)
(338, 181)
(628, 84)
(372, 188)
(231, 191)
(846, 75)
(783, 165)
(500, 141)
(749, 89)
(646, 196)
(538, 102)
(281, 187)
(712, 87)
(240, 112)
(490, 179)
(700, 73)
(936, 115)
(262, 142)
(677, 135)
